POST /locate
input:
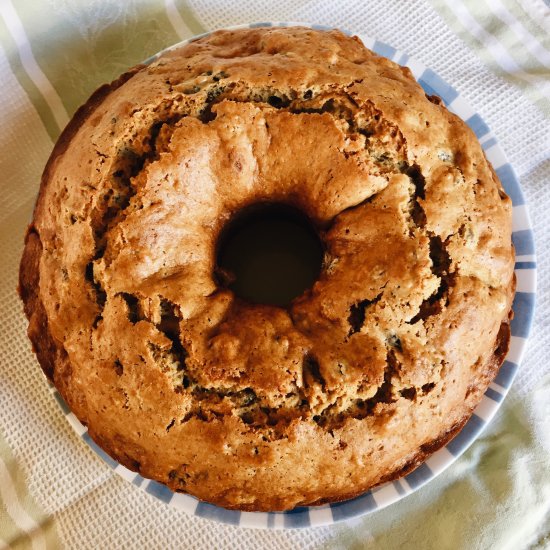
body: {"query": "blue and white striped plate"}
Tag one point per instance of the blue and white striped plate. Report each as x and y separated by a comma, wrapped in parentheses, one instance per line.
(523, 314)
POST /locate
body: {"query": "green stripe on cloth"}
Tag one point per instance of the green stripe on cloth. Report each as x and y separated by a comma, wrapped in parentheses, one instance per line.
(50, 538)
(189, 17)
(532, 25)
(36, 98)
(92, 46)
(507, 36)
(499, 47)
(22, 523)
(9, 532)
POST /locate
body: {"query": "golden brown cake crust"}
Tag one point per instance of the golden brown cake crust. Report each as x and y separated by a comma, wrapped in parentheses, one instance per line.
(253, 406)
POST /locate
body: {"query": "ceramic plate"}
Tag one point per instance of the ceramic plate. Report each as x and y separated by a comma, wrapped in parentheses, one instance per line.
(524, 302)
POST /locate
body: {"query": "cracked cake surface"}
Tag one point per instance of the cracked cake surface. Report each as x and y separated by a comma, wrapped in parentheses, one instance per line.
(255, 406)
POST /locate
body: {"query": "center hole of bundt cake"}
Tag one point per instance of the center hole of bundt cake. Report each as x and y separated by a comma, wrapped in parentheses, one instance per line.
(269, 254)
